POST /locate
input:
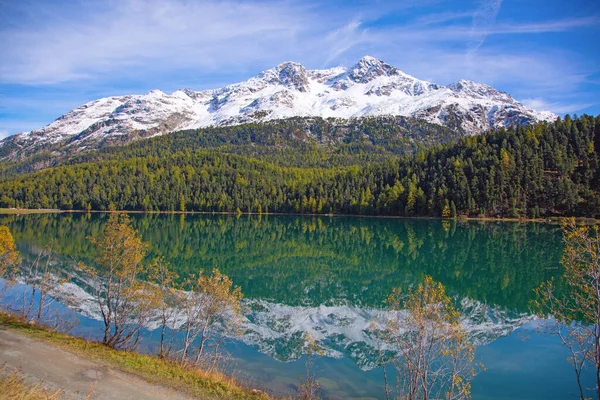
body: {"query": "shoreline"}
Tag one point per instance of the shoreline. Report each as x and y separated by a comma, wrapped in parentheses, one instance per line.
(548, 220)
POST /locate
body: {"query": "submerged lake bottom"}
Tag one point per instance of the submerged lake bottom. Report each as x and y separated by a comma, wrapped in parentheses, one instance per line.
(330, 277)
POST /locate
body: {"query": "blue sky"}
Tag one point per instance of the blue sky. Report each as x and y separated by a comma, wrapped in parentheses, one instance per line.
(59, 54)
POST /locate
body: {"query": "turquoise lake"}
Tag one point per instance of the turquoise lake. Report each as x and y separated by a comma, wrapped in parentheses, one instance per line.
(330, 276)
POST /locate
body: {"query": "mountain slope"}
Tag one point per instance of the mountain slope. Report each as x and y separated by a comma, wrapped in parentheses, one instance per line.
(369, 88)
(294, 142)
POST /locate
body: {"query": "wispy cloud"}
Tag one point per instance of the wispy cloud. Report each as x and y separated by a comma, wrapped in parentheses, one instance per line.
(135, 35)
(539, 103)
(12, 126)
(542, 27)
(98, 40)
(346, 38)
(438, 18)
(483, 18)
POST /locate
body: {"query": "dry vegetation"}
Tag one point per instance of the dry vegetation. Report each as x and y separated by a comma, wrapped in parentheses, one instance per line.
(14, 387)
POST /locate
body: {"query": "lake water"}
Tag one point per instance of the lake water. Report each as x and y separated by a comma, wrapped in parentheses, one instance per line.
(331, 275)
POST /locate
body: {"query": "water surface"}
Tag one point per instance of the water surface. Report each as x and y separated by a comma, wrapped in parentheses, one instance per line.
(331, 275)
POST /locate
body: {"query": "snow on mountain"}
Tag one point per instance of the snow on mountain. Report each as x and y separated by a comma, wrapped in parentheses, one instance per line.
(371, 87)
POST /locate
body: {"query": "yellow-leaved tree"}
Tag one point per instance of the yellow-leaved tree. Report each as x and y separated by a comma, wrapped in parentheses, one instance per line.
(9, 256)
(124, 300)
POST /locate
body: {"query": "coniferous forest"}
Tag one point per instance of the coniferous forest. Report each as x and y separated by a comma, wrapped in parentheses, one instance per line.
(549, 169)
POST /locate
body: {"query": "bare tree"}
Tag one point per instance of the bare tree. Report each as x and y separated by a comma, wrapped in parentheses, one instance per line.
(435, 360)
(379, 337)
(310, 385)
(168, 299)
(213, 312)
(576, 308)
(40, 281)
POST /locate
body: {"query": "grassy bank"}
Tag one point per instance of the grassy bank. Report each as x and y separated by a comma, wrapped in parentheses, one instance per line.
(194, 382)
(28, 211)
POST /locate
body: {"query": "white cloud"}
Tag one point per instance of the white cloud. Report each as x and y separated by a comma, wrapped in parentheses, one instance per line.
(344, 39)
(543, 27)
(437, 18)
(539, 103)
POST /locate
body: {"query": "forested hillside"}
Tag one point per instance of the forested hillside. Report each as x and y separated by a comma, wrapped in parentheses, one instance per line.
(293, 142)
(546, 169)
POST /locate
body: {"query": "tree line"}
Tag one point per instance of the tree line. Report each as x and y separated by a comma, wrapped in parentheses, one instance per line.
(548, 169)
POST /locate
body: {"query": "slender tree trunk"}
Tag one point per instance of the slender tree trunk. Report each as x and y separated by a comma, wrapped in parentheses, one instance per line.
(161, 353)
(385, 382)
(186, 342)
(581, 396)
(40, 306)
(108, 314)
(107, 324)
(201, 347)
(213, 366)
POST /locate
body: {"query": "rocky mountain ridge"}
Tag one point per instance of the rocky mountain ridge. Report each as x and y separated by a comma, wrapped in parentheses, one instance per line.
(369, 88)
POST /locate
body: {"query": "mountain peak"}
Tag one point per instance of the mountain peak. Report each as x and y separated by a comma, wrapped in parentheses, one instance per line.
(290, 74)
(289, 64)
(294, 75)
(370, 60)
(369, 68)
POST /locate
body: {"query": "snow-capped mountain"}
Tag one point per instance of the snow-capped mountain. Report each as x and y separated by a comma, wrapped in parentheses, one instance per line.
(371, 87)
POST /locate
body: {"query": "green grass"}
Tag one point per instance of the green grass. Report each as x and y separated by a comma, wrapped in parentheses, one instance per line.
(192, 381)
(27, 211)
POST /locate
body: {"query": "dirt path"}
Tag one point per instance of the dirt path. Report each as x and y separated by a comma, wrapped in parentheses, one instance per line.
(75, 375)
